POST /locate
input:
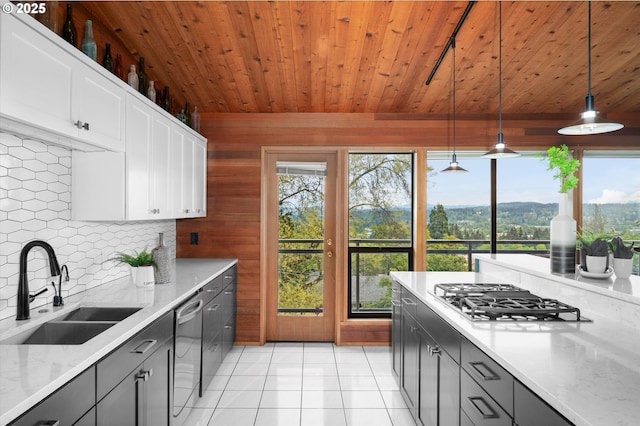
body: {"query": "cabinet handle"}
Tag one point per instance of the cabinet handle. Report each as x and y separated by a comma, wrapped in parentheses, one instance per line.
(228, 292)
(483, 371)
(212, 290)
(214, 307)
(48, 423)
(228, 277)
(408, 301)
(144, 375)
(80, 125)
(144, 346)
(189, 312)
(186, 210)
(483, 408)
(434, 350)
(396, 303)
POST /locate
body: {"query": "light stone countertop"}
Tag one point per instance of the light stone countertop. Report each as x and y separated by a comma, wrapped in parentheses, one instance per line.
(29, 373)
(589, 372)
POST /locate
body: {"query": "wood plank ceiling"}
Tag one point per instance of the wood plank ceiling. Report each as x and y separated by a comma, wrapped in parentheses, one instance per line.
(374, 56)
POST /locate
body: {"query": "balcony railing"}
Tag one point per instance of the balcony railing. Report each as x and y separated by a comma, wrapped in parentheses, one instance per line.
(357, 247)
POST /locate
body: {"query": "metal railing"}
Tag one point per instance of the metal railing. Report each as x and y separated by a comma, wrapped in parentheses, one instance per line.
(466, 248)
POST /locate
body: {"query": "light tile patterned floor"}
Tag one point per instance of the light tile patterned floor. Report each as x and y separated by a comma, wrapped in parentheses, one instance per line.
(303, 384)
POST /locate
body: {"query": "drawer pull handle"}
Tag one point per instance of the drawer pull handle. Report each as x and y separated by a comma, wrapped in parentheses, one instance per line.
(144, 346)
(214, 307)
(48, 423)
(483, 408)
(483, 371)
(408, 301)
(144, 375)
(212, 290)
(396, 303)
(434, 350)
(228, 277)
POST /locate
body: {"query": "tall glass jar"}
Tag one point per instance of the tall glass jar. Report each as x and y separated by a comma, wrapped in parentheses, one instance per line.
(142, 77)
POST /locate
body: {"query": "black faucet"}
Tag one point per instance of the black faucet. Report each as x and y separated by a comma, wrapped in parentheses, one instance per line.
(23, 284)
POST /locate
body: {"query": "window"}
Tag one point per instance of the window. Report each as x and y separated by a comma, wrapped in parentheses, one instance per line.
(380, 228)
(458, 211)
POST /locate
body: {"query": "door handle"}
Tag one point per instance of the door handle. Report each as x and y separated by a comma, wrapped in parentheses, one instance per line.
(483, 371)
(483, 408)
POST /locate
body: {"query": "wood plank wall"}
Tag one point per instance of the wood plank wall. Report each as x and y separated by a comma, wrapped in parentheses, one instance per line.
(232, 227)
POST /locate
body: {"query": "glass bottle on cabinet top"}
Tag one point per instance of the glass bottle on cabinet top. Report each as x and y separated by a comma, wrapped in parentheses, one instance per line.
(88, 43)
(195, 119)
(107, 60)
(151, 92)
(117, 68)
(133, 77)
(166, 99)
(69, 29)
(142, 77)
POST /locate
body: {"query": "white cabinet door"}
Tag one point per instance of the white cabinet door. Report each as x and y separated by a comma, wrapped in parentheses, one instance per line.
(98, 104)
(35, 78)
(176, 163)
(160, 168)
(138, 160)
(200, 178)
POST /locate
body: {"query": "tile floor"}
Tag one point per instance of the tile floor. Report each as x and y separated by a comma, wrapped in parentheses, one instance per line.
(303, 384)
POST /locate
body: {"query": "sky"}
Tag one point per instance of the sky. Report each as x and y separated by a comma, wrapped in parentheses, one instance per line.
(605, 180)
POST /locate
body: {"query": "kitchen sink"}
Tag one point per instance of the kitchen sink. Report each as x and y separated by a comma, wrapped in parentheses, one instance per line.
(60, 333)
(91, 313)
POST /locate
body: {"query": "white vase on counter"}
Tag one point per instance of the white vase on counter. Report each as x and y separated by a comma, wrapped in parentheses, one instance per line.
(563, 237)
(622, 267)
(143, 276)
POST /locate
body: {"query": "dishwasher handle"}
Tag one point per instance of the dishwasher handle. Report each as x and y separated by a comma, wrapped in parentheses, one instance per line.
(189, 312)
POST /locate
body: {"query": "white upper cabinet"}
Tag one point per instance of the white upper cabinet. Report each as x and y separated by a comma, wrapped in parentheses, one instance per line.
(50, 93)
(162, 174)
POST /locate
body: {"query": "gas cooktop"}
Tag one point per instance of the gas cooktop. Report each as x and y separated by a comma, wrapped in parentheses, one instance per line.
(504, 302)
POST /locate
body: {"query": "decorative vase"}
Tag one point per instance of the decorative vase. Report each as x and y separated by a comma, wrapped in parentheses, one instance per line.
(142, 276)
(597, 264)
(563, 237)
(622, 267)
(162, 255)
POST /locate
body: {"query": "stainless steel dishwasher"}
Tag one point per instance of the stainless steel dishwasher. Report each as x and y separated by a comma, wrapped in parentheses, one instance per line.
(187, 357)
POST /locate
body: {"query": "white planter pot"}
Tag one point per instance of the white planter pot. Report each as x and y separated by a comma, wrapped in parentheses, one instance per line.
(622, 267)
(597, 264)
(142, 276)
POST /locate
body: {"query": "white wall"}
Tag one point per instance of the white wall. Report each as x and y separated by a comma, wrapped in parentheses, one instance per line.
(35, 203)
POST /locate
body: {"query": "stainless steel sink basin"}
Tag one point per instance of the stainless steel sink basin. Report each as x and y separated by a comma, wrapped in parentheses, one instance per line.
(60, 333)
(97, 313)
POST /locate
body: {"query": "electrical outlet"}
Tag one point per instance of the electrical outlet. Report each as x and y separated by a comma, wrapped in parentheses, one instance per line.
(194, 238)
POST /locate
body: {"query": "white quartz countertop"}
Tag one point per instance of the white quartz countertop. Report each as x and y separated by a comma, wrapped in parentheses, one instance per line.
(29, 373)
(588, 371)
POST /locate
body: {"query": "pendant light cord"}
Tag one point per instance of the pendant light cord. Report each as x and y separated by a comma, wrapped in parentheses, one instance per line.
(589, 50)
(500, 66)
(453, 72)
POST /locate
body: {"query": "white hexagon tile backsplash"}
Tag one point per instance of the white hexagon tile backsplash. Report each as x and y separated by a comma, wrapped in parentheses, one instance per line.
(35, 203)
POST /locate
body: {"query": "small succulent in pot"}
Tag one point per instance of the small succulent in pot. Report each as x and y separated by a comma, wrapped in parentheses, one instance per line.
(619, 250)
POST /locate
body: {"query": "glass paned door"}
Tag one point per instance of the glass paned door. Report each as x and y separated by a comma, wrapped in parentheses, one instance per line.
(301, 228)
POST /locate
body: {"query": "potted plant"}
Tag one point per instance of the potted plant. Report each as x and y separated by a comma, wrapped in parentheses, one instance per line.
(142, 266)
(563, 226)
(622, 258)
(597, 256)
(584, 240)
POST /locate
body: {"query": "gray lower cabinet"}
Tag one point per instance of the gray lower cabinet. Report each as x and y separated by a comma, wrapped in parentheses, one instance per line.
(134, 381)
(218, 323)
(530, 410)
(72, 404)
(446, 380)
(427, 371)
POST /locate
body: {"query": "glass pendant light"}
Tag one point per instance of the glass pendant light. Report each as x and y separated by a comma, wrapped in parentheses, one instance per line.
(454, 167)
(590, 123)
(500, 149)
